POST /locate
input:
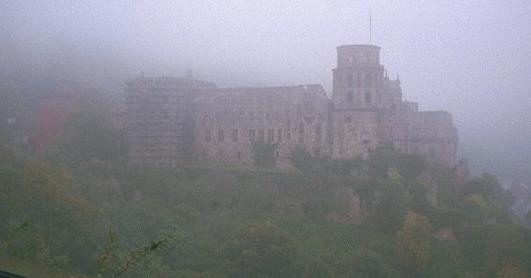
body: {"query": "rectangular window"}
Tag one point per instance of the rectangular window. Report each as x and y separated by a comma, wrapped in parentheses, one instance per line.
(221, 135)
(208, 135)
(234, 135)
(270, 135)
(368, 80)
(279, 135)
(350, 80)
(252, 135)
(318, 133)
(368, 97)
(261, 135)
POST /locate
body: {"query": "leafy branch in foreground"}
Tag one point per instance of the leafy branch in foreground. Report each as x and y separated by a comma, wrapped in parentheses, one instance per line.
(106, 256)
(104, 259)
(137, 255)
(14, 234)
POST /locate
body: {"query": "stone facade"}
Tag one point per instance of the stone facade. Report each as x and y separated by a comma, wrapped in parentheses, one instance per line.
(159, 119)
(230, 121)
(171, 118)
(368, 111)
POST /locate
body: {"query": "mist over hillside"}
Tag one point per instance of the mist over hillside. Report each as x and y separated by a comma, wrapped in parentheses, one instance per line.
(265, 139)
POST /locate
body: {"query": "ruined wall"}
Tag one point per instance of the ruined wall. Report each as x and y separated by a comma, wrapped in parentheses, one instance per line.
(434, 136)
(355, 133)
(230, 121)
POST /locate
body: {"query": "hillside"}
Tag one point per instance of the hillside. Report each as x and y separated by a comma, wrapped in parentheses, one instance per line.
(390, 216)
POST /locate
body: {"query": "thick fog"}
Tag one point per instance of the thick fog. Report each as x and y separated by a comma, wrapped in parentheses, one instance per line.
(471, 58)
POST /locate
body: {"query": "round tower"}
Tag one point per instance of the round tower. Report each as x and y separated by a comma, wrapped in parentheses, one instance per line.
(358, 77)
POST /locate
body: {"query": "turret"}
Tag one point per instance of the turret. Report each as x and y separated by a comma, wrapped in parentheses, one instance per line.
(358, 77)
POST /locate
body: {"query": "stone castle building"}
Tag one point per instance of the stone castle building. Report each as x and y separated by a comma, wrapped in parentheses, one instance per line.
(171, 119)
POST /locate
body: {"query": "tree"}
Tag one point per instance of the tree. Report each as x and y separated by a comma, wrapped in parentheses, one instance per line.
(419, 197)
(505, 249)
(264, 154)
(411, 166)
(301, 159)
(367, 264)
(414, 242)
(261, 251)
(392, 204)
(513, 270)
(382, 160)
(476, 209)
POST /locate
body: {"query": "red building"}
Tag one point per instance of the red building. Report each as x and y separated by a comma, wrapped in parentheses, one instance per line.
(53, 111)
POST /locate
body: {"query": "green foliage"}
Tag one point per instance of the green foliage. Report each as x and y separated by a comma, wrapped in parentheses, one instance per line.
(264, 154)
(497, 249)
(367, 264)
(215, 211)
(261, 251)
(386, 157)
(411, 166)
(346, 167)
(414, 243)
(382, 160)
(476, 209)
(419, 197)
(448, 192)
(392, 205)
(301, 159)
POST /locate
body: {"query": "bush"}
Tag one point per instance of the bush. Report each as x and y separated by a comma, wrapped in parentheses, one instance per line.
(264, 154)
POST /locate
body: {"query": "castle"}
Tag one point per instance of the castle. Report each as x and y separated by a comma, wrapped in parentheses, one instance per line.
(169, 120)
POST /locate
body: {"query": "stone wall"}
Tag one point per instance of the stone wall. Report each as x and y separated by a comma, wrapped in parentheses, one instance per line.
(169, 118)
(230, 121)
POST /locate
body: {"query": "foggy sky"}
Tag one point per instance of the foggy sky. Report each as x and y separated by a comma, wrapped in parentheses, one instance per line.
(472, 58)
